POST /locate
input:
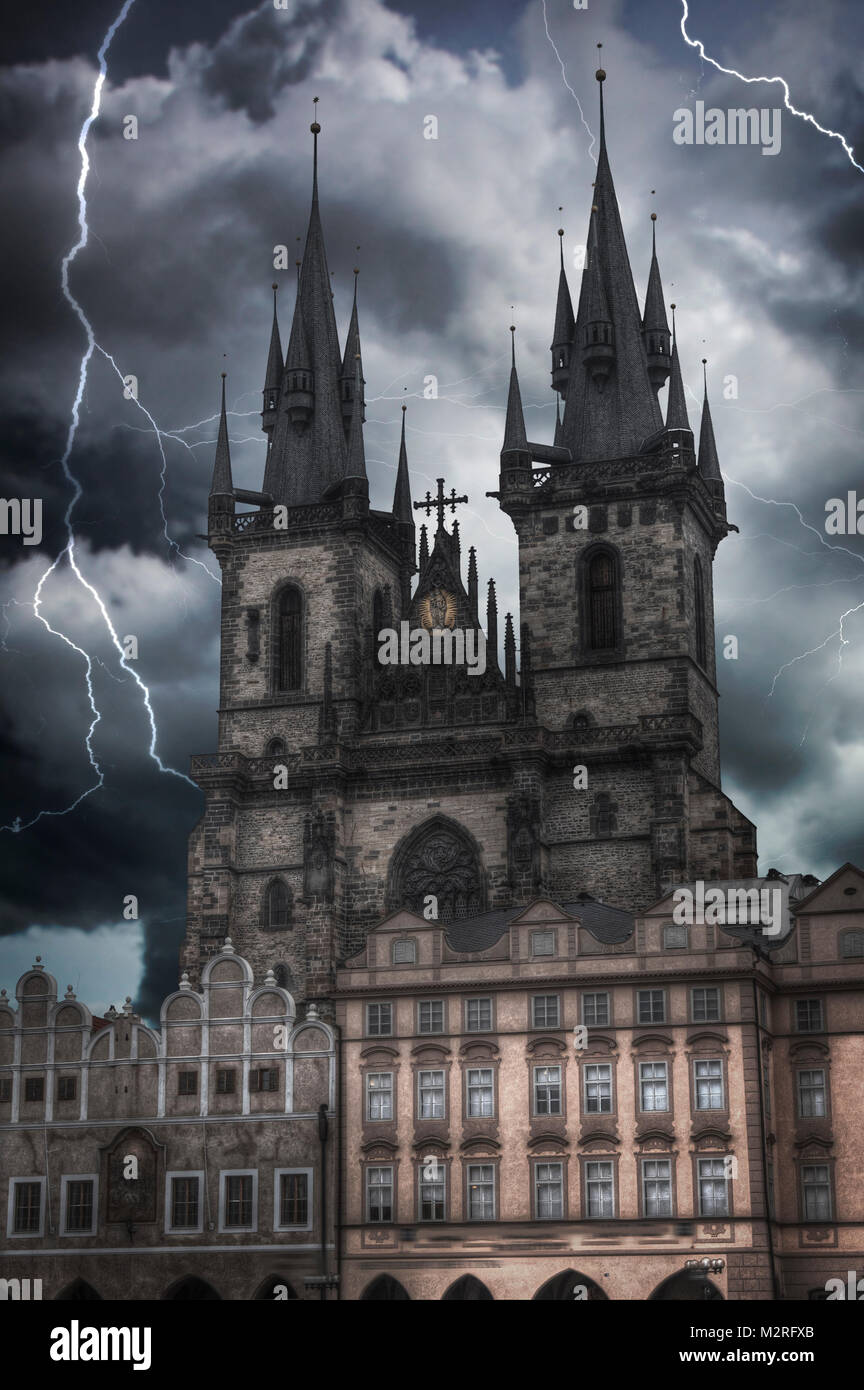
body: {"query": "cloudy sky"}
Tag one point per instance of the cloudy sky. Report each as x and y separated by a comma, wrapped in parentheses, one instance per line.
(762, 254)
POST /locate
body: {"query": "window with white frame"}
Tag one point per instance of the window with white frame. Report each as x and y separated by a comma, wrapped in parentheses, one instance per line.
(657, 1186)
(852, 944)
(430, 1016)
(379, 1095)
(238, 1201)
(379, 1194)
(705, 1004)
(708, 1075)
(481, 1093)
(599, 1188)
(430, 1092)
(78, 1204)
(293, 1199)
(816, 1185)
(379, 1020)
(432, 1190)
(478, 1015)
(26, 1206)
(404, 952)
(547, 1090)
(543, 943)
(713, 1187)
(595, 1010)
(651, 1005)
(674, 937)
(598, 1088)
(549, 1191)
(811, 1092)
(808, 1016)
(481, 1192)
(183, 1204)
(546, 1011)
(653, 1086)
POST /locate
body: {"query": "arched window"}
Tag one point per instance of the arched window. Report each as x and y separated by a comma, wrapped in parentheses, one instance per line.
(289, 639)
(379, 613)
(602, 602)
(852, 943)
(283, 976)
(275, 748)
(699, 596)
(277, 905)
(439, 861)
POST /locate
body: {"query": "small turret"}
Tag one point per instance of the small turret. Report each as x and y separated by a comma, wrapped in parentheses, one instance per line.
(708, 462)
(220, 507)
(347, 381)
(509, 651)
(492, 628)
(677, 423)
(655, 327)
(273, 375)
(565, 327)
(472, 582)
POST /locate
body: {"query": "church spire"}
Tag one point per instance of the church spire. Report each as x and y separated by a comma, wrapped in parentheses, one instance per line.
(708, 462)
(308, 452)
(515, 438)
(655, 327)
(608, 413)
(492, 628)
(221, 502)
(273, 374)
(402, 509)
(676, 406)
(565, 327)
(356, 463)
(352, 354)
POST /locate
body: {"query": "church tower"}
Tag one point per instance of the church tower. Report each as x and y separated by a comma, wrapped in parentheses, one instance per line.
(347, 784)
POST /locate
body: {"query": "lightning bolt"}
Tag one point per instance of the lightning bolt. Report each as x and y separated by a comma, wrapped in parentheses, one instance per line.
(68, 552)
(567, 84)
(731, 72)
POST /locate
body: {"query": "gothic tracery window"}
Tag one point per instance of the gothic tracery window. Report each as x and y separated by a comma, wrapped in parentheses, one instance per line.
(277, 905)
(289, 637)
(602, 602)
(441, 863)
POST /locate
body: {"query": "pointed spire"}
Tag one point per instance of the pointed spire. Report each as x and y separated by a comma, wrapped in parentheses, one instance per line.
(424, 547)
(597, 330)
(222, 485)
(558, 440)
(457, 547)
(356, 464)
(509, 651)
(472, 581)
(676, 406)
(709, 464)
(352, 355)
(565, 327)
(273, 374)
(655, 327)
(515, 438)
(402, 509)
(492, 627)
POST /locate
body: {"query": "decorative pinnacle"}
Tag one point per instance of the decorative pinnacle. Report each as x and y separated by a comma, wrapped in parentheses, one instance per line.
(315, 127)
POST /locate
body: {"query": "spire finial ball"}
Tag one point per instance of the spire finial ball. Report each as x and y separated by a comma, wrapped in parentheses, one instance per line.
(315, 128)
(704, 361)
(600, 75)
(224, 374)
(653, 217)
(560, 231)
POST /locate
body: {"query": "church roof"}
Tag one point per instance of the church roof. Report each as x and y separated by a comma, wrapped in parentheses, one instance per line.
(608, 925)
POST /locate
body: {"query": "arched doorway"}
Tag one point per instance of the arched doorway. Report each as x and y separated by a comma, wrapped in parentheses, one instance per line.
(385, 1286)
(190, 1290)
(687, 1286)
(468, 1289)
(276, 1287)
(79, 1291)
(568, 1286)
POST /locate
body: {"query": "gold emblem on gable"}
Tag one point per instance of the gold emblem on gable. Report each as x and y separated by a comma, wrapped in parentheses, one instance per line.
(438, 609)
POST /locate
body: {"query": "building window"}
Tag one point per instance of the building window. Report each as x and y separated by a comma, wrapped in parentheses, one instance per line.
(481, 1093)
(808, 1016)
(653, 1086)
(811, 1092)
(290, 640)
(705, 1004)
(226, 1082)
(277, 905)
(187, 1083)
(293, 1192)
(543, 943)
(34, 1088)
(652, 1005)
(184, 1201)
(478, 1015)
(549, 1191)
(852, 944)
(657, 1186)
(599, 1189)
(598, 1088)
(713, 1187)
(547, 1090)
(67, 1087)
(77, 1206)
(239, 1199)
(602, 603)
(25, 1201)
(545, 1010)
(379, 1194)
(817, 1192)
(430, 1088)
(379, 1020)
(264, 1079)
(6, 1089)
(430, 1016)
(595, 1010)
(481, 1192)
(379, 1095)
(404, 952)
(432, 1191)
(699, 600)
(674, 938)
(709, 1085)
